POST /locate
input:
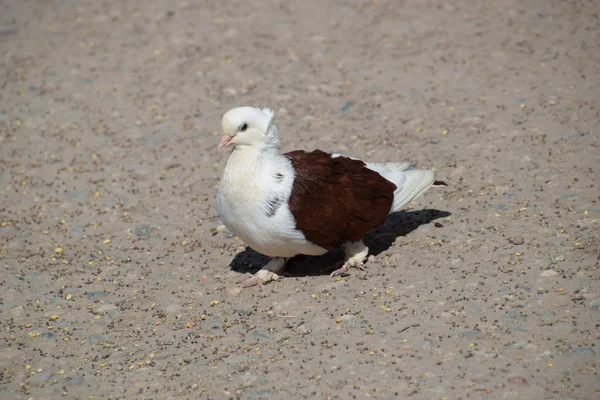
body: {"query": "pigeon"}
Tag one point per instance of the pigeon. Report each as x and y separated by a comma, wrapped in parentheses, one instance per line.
(286, 204)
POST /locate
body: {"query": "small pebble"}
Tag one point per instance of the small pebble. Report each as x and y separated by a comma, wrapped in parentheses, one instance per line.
(549, 274)
(517, 240)
(517, 380)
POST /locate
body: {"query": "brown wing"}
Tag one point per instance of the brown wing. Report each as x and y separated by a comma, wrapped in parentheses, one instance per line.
(337, 200)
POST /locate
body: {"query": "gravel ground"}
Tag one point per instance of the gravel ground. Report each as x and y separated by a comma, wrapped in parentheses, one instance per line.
(118, 280)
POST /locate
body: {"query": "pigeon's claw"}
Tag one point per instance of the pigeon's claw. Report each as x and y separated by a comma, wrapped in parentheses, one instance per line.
(252, 281)
(261, 277)
(356, 253)
(265, 275)
(346, 267)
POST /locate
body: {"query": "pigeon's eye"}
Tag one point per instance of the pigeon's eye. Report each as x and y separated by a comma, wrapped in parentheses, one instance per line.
(243, 127)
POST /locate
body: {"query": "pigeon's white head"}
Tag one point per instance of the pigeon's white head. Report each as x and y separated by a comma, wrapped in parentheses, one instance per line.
(249, 126)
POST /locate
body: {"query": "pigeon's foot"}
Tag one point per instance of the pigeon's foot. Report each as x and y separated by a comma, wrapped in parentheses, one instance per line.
(356, 253)
(268, 273)
(260, 278)
(346, 267)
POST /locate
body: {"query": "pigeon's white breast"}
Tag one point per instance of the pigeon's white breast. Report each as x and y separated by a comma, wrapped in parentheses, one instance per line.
(252, 182)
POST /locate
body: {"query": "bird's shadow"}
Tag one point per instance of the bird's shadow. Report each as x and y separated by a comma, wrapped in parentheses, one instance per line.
(399, 223)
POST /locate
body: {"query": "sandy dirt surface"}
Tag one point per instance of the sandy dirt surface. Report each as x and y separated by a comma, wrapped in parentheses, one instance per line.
(117, 280)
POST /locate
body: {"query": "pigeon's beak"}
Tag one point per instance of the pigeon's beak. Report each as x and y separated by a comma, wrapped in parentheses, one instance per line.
(225, 141)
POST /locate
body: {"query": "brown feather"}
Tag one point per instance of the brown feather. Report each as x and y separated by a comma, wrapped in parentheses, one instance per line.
(337, 200)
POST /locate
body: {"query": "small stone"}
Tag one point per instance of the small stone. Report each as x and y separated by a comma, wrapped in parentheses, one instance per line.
(143, 230)
(94, 294)
(595, 305)
(517, 380)
(556, 242)
(106, 307)
(585, 351)
(243, 312)
(40, 377)
(190, 324)
(54, 317)
(257, 335)
(173, 308)
(517, 240)
(549, 274)
(346, 106)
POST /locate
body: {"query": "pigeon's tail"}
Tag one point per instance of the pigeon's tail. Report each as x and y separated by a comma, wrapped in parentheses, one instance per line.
(411, 186)
(410, 183)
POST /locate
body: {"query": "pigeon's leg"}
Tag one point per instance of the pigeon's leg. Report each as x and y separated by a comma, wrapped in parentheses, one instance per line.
(267, 273)
(356, 252)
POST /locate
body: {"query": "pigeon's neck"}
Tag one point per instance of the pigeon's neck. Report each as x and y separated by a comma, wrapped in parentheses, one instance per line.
(246, 162)
(272, 137)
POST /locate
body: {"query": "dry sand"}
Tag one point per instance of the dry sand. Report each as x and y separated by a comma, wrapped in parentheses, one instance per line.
(116, 280)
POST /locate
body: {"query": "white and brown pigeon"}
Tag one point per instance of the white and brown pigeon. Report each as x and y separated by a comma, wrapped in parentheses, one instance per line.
(282, 205)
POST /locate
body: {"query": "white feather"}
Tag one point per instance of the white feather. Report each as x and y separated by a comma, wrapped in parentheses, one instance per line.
(247, 185)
